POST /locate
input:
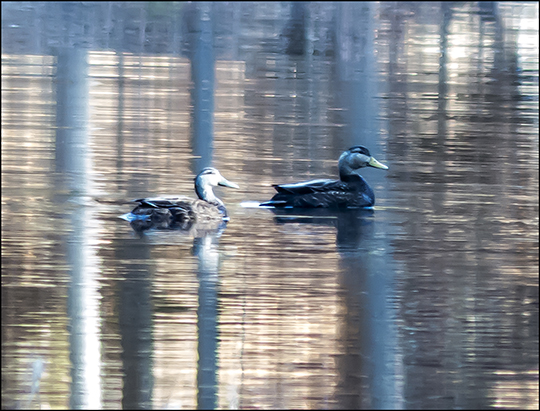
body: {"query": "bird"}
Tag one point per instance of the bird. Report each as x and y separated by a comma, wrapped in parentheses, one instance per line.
(350, 191)
(182, 211)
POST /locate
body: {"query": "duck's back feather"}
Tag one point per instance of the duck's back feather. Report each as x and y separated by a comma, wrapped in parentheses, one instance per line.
(311, 186)
(165, 202)
(176, 209)
(323, 193)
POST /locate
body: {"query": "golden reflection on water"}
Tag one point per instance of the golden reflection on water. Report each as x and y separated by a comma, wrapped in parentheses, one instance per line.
(458, 213)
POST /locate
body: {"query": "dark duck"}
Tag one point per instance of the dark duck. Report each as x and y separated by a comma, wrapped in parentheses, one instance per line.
(350, 191)
(182, 212)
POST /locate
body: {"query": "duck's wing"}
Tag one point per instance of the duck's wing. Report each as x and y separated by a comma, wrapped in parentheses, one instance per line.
(312, 186)
(165, 202)
(322, 193)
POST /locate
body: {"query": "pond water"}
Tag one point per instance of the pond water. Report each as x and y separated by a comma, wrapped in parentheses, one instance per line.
(427, 301)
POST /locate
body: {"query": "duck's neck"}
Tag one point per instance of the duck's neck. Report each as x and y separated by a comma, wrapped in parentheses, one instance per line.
(345, 172)
(206, 193)
(359, 184)
(352, 179)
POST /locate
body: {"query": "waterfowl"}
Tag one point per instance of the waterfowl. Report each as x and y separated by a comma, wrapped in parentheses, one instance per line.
(350, 191)
(182, 211)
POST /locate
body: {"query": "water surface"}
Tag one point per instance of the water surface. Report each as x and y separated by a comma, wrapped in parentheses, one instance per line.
(428, 301)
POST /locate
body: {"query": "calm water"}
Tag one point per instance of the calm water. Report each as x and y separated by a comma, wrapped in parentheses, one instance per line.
(429, 301)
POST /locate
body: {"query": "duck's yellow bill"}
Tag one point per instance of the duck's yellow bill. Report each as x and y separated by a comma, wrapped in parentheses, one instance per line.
(376, 164)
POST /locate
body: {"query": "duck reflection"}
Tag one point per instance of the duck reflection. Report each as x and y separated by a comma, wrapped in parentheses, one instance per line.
(368, 331)
(191, 229)
(205, 247)
(353, 225)
(138, 318)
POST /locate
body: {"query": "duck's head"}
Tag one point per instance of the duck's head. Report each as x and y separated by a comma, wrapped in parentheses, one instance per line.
(210, 177)
(351, 161)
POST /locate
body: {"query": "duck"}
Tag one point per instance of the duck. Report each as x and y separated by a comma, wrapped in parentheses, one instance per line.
(182, 211)
(350, 191)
